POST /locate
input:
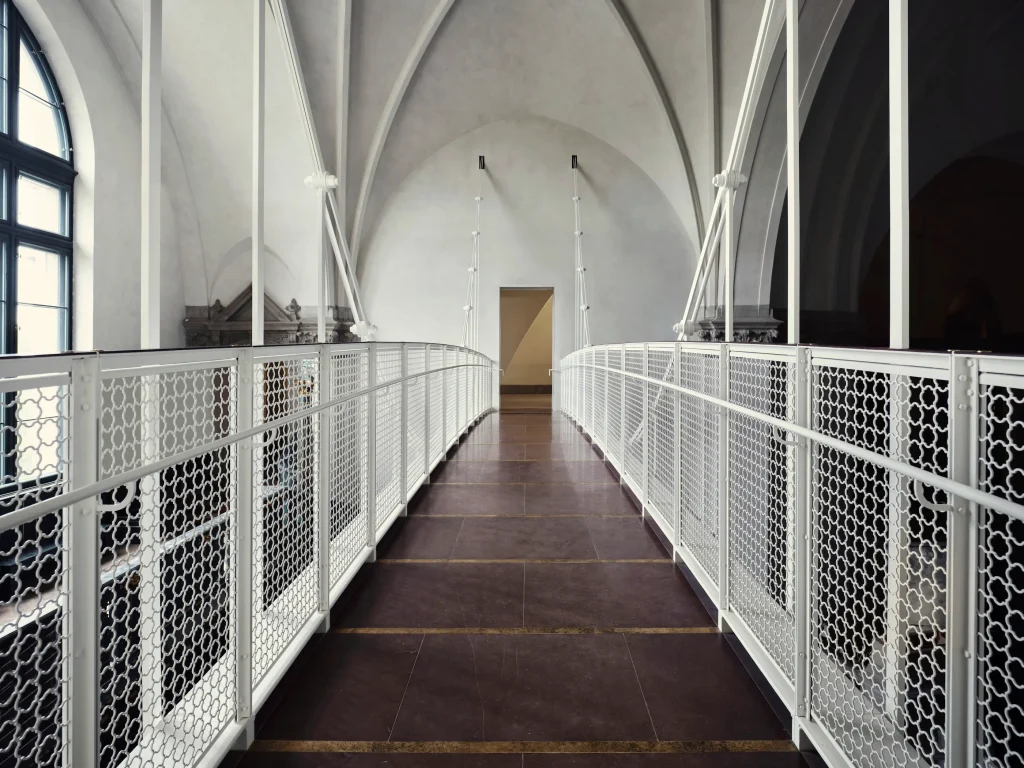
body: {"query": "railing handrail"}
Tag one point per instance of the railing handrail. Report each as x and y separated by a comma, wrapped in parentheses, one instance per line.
(40, 508)
(952, 487)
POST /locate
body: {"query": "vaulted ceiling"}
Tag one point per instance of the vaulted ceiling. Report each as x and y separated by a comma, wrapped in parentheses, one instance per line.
(645, 76)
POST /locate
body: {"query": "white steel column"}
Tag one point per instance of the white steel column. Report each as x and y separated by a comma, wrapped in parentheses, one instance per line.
(259, 99)
(899, 179)
(152, 113)
(793, 167)
(322, 267)
(244, 510)
(800, 453)
(728, 254)
(723, 490)
(962, 564)
(82, 547)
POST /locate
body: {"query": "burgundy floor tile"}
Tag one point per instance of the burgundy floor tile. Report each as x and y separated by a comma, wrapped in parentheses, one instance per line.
(618, 538)
(478, 472)
(348, 760)
(524, 538)
(421, 536)
(696, 688)
(712, 760)
(436, 595)
(466, 500)
(567, 499)
(533, 687)
(351, 689)
(610, 595)
(566, 472)
(559, 452)
(489, 452)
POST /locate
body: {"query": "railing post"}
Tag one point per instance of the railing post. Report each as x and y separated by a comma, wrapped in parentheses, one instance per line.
(588, 390)
(371, 451)
(723, 491)
(244, 546)
(961, 563)
(643, 435)
(677, 443)
(801, 490)
(82, 547)
(458, 392)
(325, 445)
(404, 431)
(426, 413)
(622, 414)
(444, 402)
(607, 377)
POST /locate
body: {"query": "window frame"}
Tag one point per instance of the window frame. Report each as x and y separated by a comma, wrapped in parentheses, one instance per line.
(18, 158)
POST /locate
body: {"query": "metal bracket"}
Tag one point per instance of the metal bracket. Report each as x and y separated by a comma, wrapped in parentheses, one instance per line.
(729, 179)
(919, 496)
(117, 506)
(269, 436)
(780, 435)
(322, 180)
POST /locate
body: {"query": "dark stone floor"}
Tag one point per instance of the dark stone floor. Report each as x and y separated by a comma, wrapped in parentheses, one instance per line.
(523, 607)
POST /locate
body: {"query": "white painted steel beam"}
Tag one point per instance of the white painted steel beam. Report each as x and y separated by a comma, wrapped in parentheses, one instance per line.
(152, 114)
(899, 179)
(793, 168)
(259, 105)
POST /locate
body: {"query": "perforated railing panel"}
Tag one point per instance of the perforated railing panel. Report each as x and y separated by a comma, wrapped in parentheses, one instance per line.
(390, 476)
(286, 500)
(878, 559)
(436, 403)
(347, 447)
(999, 671)
(167, 613)
(600, 395)
(416, 419)
(634, 458)
(661, 449)
(615, 410)
(34, 587)
(450, 384)
(149, 414)
(167, 555)
(761, 524)
(699, 459)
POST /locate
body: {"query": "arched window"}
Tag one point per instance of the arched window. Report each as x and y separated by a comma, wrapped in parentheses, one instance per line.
(36, 178)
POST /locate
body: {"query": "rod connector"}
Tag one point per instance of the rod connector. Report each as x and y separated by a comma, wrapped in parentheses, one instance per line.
(322, 180)
(729, 179)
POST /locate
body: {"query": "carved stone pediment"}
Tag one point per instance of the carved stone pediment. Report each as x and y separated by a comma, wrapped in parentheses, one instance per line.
(224, 326)
(751, 324)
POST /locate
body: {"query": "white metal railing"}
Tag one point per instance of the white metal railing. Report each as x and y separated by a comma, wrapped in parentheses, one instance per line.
(174, 525)
(857, 517)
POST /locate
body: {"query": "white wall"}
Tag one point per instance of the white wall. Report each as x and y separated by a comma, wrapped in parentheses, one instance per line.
(638, 258)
